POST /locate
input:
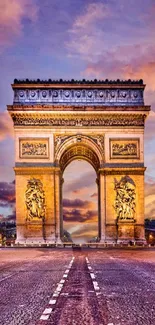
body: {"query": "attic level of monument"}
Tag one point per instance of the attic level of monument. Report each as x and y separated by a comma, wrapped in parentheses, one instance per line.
(100, 121)
(84, 93)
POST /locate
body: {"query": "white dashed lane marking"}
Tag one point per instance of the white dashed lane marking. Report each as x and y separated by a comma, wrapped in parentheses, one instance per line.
(93, 277)
(48, 310)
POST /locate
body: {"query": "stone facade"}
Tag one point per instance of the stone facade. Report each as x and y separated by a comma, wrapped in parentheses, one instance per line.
(101, 122)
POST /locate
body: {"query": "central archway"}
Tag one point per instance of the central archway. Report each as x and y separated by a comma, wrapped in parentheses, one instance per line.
(80, 203)
(85, 149)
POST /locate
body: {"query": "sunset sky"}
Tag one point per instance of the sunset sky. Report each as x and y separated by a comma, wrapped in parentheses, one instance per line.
(75, 39)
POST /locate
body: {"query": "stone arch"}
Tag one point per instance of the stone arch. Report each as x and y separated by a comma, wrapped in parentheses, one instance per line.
(79, 147)
(79, 152)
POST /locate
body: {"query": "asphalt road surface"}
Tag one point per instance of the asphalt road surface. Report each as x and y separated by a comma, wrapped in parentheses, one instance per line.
(77, 287)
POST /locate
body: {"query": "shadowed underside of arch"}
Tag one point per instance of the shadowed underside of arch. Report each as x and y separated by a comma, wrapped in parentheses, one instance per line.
(79, 151)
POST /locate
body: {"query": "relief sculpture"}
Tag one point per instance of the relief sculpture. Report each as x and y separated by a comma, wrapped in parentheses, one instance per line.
(27, 119)
(60, 139)
(124, 148)
(34, 148)
(35, 199)
(125, 201)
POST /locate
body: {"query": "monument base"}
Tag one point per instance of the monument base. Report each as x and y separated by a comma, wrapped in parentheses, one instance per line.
(125, 232)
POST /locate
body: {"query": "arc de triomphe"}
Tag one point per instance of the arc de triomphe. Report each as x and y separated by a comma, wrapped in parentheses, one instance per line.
(101, 122)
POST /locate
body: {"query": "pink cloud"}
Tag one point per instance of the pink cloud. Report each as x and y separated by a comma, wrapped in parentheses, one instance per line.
(150, 200)
(12, 12)
(93, 13)
(145, 71)
(6, 126)
(150, 126)
(127, 62)
(94, 195)
(85, 36)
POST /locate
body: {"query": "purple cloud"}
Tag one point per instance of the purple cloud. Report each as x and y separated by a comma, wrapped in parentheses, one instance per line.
(6, 126)
(85, 181)
(7, 194)
(12, 14)
(77, 203)
(76, 215)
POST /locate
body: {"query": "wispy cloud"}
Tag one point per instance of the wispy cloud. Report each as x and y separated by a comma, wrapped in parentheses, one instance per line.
(82, 232)
(84, 181)
(94, 195)
(77, 215)
(77, 203)
(7, 194)
(150, 127)
(85, 35)
(79, 211)
(133, 62)
(150, 199)
(6, 126)
(12, 13)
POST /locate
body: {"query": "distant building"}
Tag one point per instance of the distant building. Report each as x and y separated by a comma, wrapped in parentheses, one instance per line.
(150, 231)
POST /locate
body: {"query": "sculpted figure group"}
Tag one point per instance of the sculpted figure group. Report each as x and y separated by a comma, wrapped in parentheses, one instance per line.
(125, 202)
(35, 199)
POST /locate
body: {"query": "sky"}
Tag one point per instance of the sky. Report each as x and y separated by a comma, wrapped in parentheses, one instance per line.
(75, 39)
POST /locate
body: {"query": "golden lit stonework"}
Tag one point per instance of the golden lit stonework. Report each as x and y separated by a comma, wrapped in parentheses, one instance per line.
(101, 122)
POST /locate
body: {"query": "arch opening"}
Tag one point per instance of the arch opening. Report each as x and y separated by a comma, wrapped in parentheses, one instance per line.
(79, 151)
(80, 222)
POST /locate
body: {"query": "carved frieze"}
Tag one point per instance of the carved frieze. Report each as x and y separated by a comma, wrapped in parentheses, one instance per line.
(125, 201)
(97, 139)
(79, 96)
(35, 200)
(34, 148)
(59, 140)
(124, 148)
(79, 121)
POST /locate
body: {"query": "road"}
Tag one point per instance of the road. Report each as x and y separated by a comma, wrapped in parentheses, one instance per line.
(77, 287)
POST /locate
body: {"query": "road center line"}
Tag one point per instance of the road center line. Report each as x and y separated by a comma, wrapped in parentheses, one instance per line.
(48, 310)
(93, 277)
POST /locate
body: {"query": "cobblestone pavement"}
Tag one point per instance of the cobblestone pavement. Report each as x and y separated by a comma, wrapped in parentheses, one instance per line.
(78, 303)
(102, 287)
(28, 278)
(127, 281)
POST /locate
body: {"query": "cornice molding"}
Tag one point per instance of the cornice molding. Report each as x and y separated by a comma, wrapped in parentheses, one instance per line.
(100, 108)
(122, 171)
(36, 170)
